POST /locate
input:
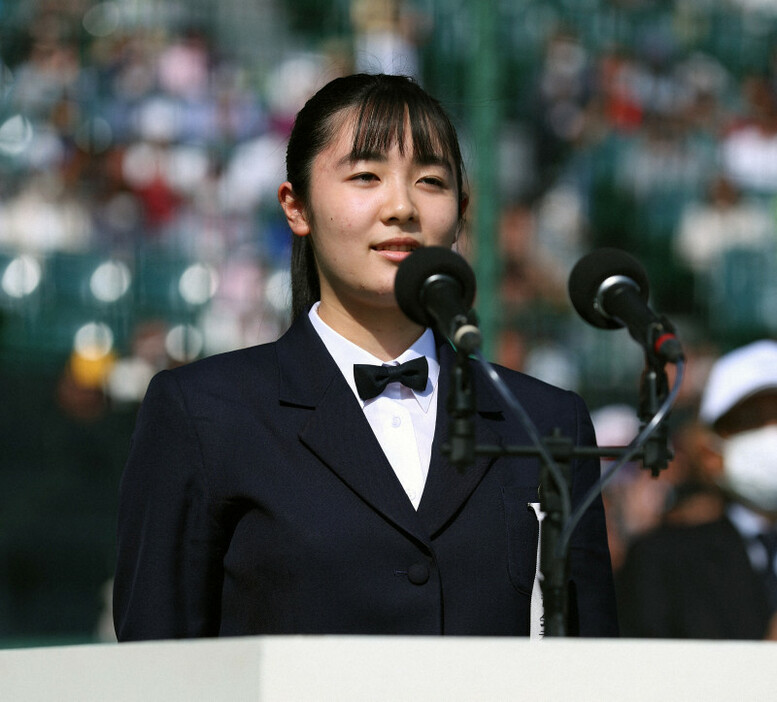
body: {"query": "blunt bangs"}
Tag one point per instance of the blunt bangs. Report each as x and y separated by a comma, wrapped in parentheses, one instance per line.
(384, 116)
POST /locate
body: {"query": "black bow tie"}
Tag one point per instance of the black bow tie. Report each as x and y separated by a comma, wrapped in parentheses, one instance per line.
(372, 380)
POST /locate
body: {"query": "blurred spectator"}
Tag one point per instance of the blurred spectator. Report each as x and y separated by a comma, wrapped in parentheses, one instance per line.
(617, 75)
(184, 67)
(663, 160)
(385, 37)
(633, 500)
(553, 363)
(536, 243)
(511, 349)
(724, 220)
(45, 216)
(694, 497)
(51, 69)
(749, 150)
(715, 576)
(563, 94)
(129, 376)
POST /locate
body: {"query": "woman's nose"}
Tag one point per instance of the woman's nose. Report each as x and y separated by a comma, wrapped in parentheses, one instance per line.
(399, 206)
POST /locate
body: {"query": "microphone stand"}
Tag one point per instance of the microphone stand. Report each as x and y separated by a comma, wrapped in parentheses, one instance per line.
(654, 387)
(554, 560)
(461, 410)
(556, 453)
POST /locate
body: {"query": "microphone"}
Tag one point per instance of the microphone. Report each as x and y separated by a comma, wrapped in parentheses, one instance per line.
(609, 289)
(435, 287)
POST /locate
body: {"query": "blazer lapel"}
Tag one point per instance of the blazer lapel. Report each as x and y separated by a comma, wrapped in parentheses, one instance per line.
(448, 487)
(338, 432)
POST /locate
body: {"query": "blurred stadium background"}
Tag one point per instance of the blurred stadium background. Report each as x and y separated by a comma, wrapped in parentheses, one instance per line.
(141, 145)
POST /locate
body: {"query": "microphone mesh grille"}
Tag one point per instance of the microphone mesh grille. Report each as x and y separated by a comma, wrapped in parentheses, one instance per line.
(591, 271)
(422, 264)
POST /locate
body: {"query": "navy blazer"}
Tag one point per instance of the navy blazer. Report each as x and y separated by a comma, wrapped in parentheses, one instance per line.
(257, 500)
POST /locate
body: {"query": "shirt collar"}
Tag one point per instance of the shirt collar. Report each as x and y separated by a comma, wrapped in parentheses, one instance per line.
(747, 522)
(345, 354)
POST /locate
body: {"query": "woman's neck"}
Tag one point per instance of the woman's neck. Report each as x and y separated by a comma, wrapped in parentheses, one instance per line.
(385, 333)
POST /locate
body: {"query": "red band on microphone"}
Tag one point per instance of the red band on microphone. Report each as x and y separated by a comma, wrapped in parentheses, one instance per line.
(660, 341)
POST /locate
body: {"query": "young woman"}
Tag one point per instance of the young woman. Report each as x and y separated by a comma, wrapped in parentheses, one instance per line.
(275, 490)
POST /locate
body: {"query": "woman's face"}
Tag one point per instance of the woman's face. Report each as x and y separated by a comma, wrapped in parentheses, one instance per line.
(367, 216)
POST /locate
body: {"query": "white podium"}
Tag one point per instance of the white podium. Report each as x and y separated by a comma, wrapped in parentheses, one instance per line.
(340, 669)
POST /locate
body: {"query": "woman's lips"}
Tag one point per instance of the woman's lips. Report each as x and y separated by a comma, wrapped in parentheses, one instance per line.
(396, 250)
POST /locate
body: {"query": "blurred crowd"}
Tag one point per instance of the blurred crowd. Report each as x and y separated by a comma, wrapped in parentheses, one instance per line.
(149, 146)
(140, 156)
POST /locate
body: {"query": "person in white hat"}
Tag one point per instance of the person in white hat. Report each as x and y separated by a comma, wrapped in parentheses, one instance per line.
(739, 404)
(719, 579)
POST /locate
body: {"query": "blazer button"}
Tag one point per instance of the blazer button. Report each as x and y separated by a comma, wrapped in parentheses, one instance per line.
(418, 573)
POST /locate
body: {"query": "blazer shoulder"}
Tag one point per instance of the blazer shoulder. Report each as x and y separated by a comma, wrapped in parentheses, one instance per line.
(262, 370)
(254, 357)
(548, 406)
(528, 385)
(227, 372)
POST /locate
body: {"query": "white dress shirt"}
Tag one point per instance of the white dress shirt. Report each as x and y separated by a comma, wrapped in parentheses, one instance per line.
(402, 419)
(750, 524)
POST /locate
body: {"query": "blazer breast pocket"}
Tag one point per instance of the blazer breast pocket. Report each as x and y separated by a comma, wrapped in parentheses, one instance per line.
(522, 535)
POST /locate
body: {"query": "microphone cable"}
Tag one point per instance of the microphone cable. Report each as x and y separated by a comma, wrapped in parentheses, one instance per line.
(523, 417)
(636, 444)
(571, 520)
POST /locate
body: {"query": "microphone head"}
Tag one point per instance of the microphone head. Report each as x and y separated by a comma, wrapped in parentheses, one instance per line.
(591, 271)
(421, 265)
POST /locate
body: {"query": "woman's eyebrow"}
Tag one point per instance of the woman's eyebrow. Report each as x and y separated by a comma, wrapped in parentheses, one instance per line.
(433, 160)
(354, 156)
(380, 157)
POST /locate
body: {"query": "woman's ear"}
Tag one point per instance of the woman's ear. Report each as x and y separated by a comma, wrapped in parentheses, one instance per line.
(463, 205)
(294, 210)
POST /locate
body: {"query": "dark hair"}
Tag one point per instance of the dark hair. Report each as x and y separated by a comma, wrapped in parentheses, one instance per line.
(384, 105)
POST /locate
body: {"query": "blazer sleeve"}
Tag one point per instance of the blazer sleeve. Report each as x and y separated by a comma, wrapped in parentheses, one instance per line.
(592, 601)
(168, 571)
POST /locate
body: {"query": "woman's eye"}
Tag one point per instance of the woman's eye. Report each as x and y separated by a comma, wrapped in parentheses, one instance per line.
(364, 177)
(433, 180)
